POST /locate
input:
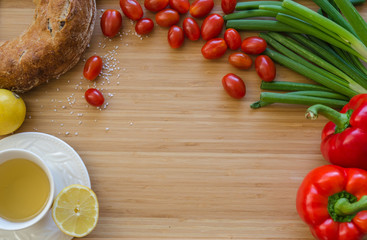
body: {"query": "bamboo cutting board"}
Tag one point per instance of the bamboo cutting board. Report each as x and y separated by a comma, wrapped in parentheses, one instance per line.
(172, 156)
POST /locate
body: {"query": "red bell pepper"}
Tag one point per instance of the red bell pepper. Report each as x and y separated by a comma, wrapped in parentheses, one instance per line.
(332, 200)
(344, 138)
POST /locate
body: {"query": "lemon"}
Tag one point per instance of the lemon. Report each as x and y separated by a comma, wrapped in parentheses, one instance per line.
(12, 111)
(75, 210)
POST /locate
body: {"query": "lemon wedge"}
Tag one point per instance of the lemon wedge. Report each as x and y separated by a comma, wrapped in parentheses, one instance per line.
(75, 210)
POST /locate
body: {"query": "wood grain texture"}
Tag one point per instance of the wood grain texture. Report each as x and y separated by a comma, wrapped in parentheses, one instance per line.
(172, 156)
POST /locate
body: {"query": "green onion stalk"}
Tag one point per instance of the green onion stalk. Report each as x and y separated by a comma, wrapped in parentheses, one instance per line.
(344, 34)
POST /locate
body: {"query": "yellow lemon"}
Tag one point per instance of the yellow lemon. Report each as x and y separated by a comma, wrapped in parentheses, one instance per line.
(12, 111)
(75, 210)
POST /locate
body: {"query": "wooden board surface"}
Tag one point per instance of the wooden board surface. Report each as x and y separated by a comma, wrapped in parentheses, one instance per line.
(172, 156)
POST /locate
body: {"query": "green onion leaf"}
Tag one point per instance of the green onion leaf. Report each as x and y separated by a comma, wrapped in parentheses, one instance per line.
(260, 25)
(249, 14)
(344, 34)
(354, 18)
(255, 4)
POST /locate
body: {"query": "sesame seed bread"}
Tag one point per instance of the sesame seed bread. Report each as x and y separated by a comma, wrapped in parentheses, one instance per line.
(51, 45)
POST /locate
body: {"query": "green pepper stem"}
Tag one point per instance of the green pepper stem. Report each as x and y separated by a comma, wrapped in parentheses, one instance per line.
(341, 120)
(343, 206)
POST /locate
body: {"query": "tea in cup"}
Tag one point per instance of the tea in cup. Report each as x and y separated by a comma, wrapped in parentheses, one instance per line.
(26, 189)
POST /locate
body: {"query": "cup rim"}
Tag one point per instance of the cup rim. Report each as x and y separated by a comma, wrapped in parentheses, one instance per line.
(15, 152)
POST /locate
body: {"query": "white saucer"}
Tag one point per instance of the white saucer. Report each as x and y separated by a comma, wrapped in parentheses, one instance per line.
(66, 167)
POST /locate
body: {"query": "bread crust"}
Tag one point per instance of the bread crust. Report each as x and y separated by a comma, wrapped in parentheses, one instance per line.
(51, 45)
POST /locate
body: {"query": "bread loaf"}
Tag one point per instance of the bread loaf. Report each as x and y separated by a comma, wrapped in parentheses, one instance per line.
(51, 45)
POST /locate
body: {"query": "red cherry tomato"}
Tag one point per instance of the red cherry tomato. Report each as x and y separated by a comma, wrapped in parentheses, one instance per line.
(232, 38)
(228, 6)
(265, 68)
(94, 97)
(212, 26)
(155, 5)
(181, 6)
(234, 86)
(111, 22)
(131, 9)
(191, 29)
(92, 68)
(167, 17)
(214, 48)
(253, 45)
(144, 26)
(175, 36)
(201, 8)
(240, 60)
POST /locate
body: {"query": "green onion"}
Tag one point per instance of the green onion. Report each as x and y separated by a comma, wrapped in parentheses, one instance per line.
(357, 63)
(320, 94)
(339, 54)
(330, 49)
(310, 73)
(299, 17)
(334, 14)
(260, 25)
(309, 29)
(324, 51)
(255, 4)
(280, 9)
(294, 46)
(356, 2)
(299, 99)
(249, 14)
(328, 79)
(292, 86)
(354, 18)
(355, 66)
(344, 34)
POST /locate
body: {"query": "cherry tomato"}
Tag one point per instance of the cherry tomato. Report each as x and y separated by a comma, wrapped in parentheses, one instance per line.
(131, 9)
(201, 8)
(167, 17)
(155, 5)
(232, 38)
(265, 68)
(214, 48)
(92, 68)
(111, 22)
(234, 86)
(253, 45)
(212, 26)
(175, 36)
(181, 6)
(240, 60)
(94, 97)
(228, 6)
(191, 29)
(144, 26)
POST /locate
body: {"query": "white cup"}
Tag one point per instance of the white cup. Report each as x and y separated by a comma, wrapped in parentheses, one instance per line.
(21, 153)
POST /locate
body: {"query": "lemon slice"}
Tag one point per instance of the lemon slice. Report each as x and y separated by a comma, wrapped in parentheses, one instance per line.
(75, 210)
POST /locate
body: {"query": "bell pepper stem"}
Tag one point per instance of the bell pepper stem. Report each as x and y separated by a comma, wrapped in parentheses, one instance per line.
(341, 120)
(344, 207)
